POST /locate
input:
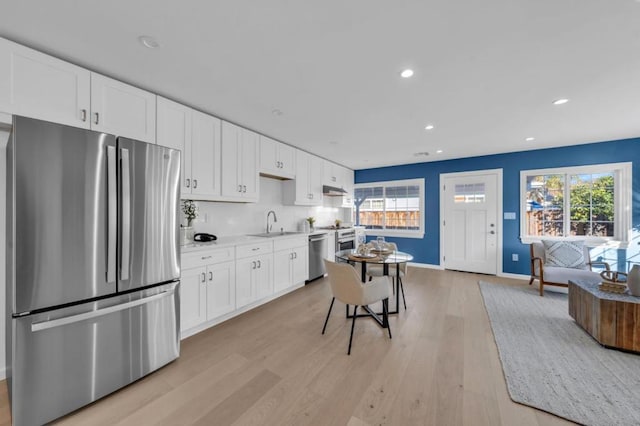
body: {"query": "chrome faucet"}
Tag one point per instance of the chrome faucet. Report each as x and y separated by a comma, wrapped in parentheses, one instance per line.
(275, 219)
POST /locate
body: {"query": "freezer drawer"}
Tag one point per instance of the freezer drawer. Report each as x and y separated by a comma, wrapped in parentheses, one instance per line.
(67, 358)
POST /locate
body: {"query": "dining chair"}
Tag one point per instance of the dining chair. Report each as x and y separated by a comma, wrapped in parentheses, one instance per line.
(377, 270)
(347, 287)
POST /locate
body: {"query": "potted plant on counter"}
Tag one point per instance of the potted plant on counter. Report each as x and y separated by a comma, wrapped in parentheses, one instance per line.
(190, 210)
(311, 221)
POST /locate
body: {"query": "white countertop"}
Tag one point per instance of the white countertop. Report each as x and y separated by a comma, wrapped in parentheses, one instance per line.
(236, 240)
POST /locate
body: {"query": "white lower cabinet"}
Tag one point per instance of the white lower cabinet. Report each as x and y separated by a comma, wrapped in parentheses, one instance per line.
(221, 289)
(290, 263)
(254, 272)
(207, 288)
(193, 303)
(254, 279)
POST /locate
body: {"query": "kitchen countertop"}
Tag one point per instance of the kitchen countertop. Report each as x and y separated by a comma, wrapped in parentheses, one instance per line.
(236, 240)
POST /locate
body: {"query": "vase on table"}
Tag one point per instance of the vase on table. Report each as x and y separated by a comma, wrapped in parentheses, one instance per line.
(633, 280)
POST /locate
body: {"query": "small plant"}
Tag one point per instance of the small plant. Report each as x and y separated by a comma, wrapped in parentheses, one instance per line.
(311, 221)
(190, 210)
(338, 223)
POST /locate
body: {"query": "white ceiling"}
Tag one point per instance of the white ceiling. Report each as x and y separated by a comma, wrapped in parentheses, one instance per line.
(486, 72)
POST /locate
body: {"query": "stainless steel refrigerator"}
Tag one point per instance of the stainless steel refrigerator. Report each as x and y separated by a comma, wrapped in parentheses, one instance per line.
(92, 265)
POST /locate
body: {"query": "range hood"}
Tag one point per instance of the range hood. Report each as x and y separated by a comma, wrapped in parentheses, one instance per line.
(332, 191)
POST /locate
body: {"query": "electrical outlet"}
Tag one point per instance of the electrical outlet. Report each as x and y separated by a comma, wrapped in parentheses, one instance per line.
(514, 257)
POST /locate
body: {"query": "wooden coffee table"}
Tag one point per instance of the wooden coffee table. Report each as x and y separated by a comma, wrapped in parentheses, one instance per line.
(612, 319)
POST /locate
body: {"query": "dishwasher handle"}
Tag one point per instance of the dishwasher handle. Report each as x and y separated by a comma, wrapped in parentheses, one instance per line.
(318, 238)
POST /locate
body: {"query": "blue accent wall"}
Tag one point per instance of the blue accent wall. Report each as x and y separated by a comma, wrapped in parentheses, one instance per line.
(427, 249)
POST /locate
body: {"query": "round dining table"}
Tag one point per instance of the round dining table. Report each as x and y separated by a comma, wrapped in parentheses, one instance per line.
(385, 258)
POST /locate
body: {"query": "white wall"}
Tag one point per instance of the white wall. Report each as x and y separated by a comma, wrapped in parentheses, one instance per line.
(225, 219)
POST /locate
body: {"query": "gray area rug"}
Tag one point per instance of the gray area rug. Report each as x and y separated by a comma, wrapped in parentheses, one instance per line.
(552, 364)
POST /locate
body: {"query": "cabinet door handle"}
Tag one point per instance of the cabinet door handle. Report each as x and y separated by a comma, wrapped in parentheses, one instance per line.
(97, 115)
(295, 255)
(204, 278)
(188, 183)
(239, 188)
(253, 264)
(255, 249)
(83, 114)
(206, 257)
(259, 264)
(244, 188)
(210, 276)
(195, 183)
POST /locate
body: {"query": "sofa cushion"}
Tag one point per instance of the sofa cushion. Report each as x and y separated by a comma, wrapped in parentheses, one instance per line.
(560, 275)
(565, 254)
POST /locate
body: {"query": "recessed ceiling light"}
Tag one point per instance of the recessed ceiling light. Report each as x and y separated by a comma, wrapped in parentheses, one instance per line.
(149, 42)
(276, 112)
(529, 139)
(406, 73)
(421, 154)
(429, 127)
(439, 151)
(560, 101)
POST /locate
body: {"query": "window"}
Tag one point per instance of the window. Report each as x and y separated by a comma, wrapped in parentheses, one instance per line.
(394, 208)
(589, 202)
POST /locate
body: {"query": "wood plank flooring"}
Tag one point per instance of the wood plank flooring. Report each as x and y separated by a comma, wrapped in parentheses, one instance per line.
(271, 366)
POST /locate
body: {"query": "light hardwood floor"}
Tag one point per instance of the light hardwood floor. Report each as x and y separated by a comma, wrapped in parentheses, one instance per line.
(271, 366)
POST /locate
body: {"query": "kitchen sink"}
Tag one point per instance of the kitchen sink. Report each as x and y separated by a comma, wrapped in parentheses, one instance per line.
(276, 234)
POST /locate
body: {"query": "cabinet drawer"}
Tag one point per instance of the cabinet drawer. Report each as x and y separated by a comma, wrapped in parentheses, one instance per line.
(207, 257)
(288, 243)
(254, 249)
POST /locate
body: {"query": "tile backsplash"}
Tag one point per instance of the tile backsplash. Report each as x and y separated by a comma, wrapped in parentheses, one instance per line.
(225, 219)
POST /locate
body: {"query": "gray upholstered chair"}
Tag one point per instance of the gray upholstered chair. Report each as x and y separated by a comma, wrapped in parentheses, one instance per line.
(347, 287)
(557, 275)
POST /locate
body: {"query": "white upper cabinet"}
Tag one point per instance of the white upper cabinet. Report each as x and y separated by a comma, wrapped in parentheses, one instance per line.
(40, 86)
(122, 110)
(197, 135)
(276, 159)
(330, 174)
(306, 188)
(347, 185)
(174, 131)
(36, 85)
(239, 163)
(205, 156)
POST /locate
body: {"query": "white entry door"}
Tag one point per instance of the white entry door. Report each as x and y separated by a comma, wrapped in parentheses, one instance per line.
(470, 231)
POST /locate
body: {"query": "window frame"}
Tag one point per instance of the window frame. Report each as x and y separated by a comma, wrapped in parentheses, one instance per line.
(622, 178)
(414, 233)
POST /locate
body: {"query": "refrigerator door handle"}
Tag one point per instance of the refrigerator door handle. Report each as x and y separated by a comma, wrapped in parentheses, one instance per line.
(46, 325)
(112, 214)
(125, 179)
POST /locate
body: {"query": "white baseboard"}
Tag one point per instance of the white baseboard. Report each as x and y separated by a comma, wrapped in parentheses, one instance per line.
(514, 276)
(425, 265)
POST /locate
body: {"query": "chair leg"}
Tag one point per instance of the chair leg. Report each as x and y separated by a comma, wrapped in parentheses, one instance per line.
(353, 323)
(333, 299)
(531, 280)
(385, 314)
(402, 290)
(541, 289)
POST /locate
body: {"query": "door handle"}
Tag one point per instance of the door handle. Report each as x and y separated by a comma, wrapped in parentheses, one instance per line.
(126, 213)
(97, 118)
(253, 264)
(83, 114)
(188, 183)
(195, 183)
(45, 325)
(259, 264)
(204, 278)
(492, 232)
(210, 276)
(112, 213)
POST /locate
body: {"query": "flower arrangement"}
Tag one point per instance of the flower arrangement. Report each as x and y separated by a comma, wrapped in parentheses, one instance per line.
(190, 210)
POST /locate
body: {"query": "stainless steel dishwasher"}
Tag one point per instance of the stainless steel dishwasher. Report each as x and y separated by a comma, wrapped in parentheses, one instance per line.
(317, 252)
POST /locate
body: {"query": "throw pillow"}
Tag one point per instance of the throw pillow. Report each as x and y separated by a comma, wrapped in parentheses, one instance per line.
(565, 254)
